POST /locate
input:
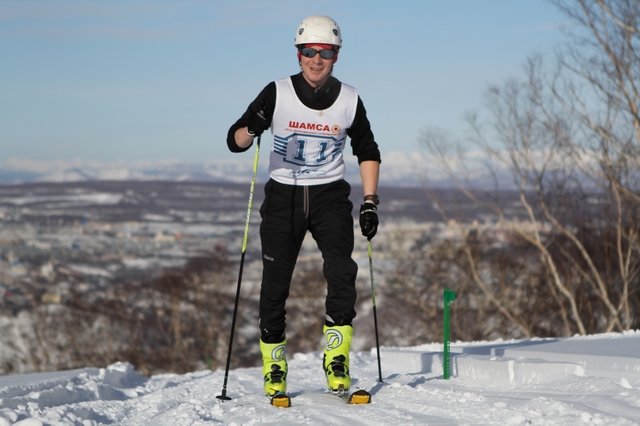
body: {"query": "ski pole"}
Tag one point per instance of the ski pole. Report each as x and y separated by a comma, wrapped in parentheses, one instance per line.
(375, 315)
(224, 396)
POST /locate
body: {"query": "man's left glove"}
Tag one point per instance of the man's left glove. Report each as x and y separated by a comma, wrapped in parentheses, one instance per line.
(369, 220)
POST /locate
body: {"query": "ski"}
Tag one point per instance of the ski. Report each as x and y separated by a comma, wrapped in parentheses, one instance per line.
(280, 400)
(360, 396)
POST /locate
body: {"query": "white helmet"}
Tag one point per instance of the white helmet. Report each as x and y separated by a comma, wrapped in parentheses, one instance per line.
(318, 29)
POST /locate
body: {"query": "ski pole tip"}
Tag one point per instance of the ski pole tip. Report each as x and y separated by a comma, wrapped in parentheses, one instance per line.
(223, 398)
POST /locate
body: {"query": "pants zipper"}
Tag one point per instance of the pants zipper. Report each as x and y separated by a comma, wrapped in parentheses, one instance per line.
(306, 201)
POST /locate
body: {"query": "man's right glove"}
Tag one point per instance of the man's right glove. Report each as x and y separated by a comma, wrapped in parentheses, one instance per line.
(368, 220)
(258, 122)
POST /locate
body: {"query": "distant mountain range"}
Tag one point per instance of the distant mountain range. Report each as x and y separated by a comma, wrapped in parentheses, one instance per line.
(399, 169)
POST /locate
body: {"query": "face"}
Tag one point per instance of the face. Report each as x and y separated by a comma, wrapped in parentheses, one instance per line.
(316, 70)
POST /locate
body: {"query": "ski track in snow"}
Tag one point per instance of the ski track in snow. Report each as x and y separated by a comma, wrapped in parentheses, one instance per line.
(555, 386)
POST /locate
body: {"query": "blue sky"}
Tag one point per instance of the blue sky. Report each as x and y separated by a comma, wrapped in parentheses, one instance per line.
(146, 80)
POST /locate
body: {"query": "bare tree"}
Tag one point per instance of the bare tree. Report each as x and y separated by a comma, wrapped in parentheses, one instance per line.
(176, 322)
(606, 61)
(496, 276)
(567, 139)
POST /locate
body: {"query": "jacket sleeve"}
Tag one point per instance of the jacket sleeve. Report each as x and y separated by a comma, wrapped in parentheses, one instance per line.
(267, 98)
(362, 141)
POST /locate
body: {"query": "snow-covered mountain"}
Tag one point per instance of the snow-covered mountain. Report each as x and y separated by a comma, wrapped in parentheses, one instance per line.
(399, 169)
(592, 380)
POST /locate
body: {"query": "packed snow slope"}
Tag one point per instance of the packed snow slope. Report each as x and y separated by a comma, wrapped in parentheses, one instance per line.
(580, 380)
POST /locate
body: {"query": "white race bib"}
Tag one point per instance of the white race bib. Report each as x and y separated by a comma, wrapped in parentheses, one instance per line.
(308, 144)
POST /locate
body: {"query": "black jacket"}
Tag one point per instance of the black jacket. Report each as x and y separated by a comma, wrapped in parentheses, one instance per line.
(362, 142)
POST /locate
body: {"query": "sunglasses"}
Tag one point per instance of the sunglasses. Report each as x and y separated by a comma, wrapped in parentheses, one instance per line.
(311, 53)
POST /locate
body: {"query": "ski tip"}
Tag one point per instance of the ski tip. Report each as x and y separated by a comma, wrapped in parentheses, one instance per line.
(280, 400)
(360, 396)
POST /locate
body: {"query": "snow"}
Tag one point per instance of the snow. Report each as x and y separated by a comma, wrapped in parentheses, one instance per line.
(72, 199)
(590, 380)
(90, 270)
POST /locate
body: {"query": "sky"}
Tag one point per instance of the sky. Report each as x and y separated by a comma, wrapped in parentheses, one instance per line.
(582, 380)
(149, 80)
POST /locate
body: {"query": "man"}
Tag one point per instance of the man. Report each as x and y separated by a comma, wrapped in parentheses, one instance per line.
(310, 115)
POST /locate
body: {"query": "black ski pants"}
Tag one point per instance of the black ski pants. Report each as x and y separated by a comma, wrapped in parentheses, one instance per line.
(288, 212)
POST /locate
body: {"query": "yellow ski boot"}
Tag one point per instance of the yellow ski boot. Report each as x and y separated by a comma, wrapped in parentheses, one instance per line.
(274, 367)
(336, 358)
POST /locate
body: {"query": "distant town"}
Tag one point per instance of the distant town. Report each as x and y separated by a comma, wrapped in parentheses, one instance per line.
(75, 243)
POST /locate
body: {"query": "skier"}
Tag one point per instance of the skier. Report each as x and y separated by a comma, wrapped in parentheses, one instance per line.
(310, 115)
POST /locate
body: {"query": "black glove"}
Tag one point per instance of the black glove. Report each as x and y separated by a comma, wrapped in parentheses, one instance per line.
(258, 122)
(369, 220)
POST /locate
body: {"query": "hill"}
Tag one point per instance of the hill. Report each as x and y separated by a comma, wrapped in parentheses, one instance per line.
(579, 380)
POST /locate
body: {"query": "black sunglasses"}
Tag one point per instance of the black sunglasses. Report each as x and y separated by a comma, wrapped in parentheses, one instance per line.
(311, 53)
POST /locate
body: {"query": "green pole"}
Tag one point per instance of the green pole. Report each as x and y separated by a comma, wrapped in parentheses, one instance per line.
(449, 296)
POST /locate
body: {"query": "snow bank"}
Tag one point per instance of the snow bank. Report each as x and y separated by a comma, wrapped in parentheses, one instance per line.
(581, 380)
(31, 395)
(613, 355)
